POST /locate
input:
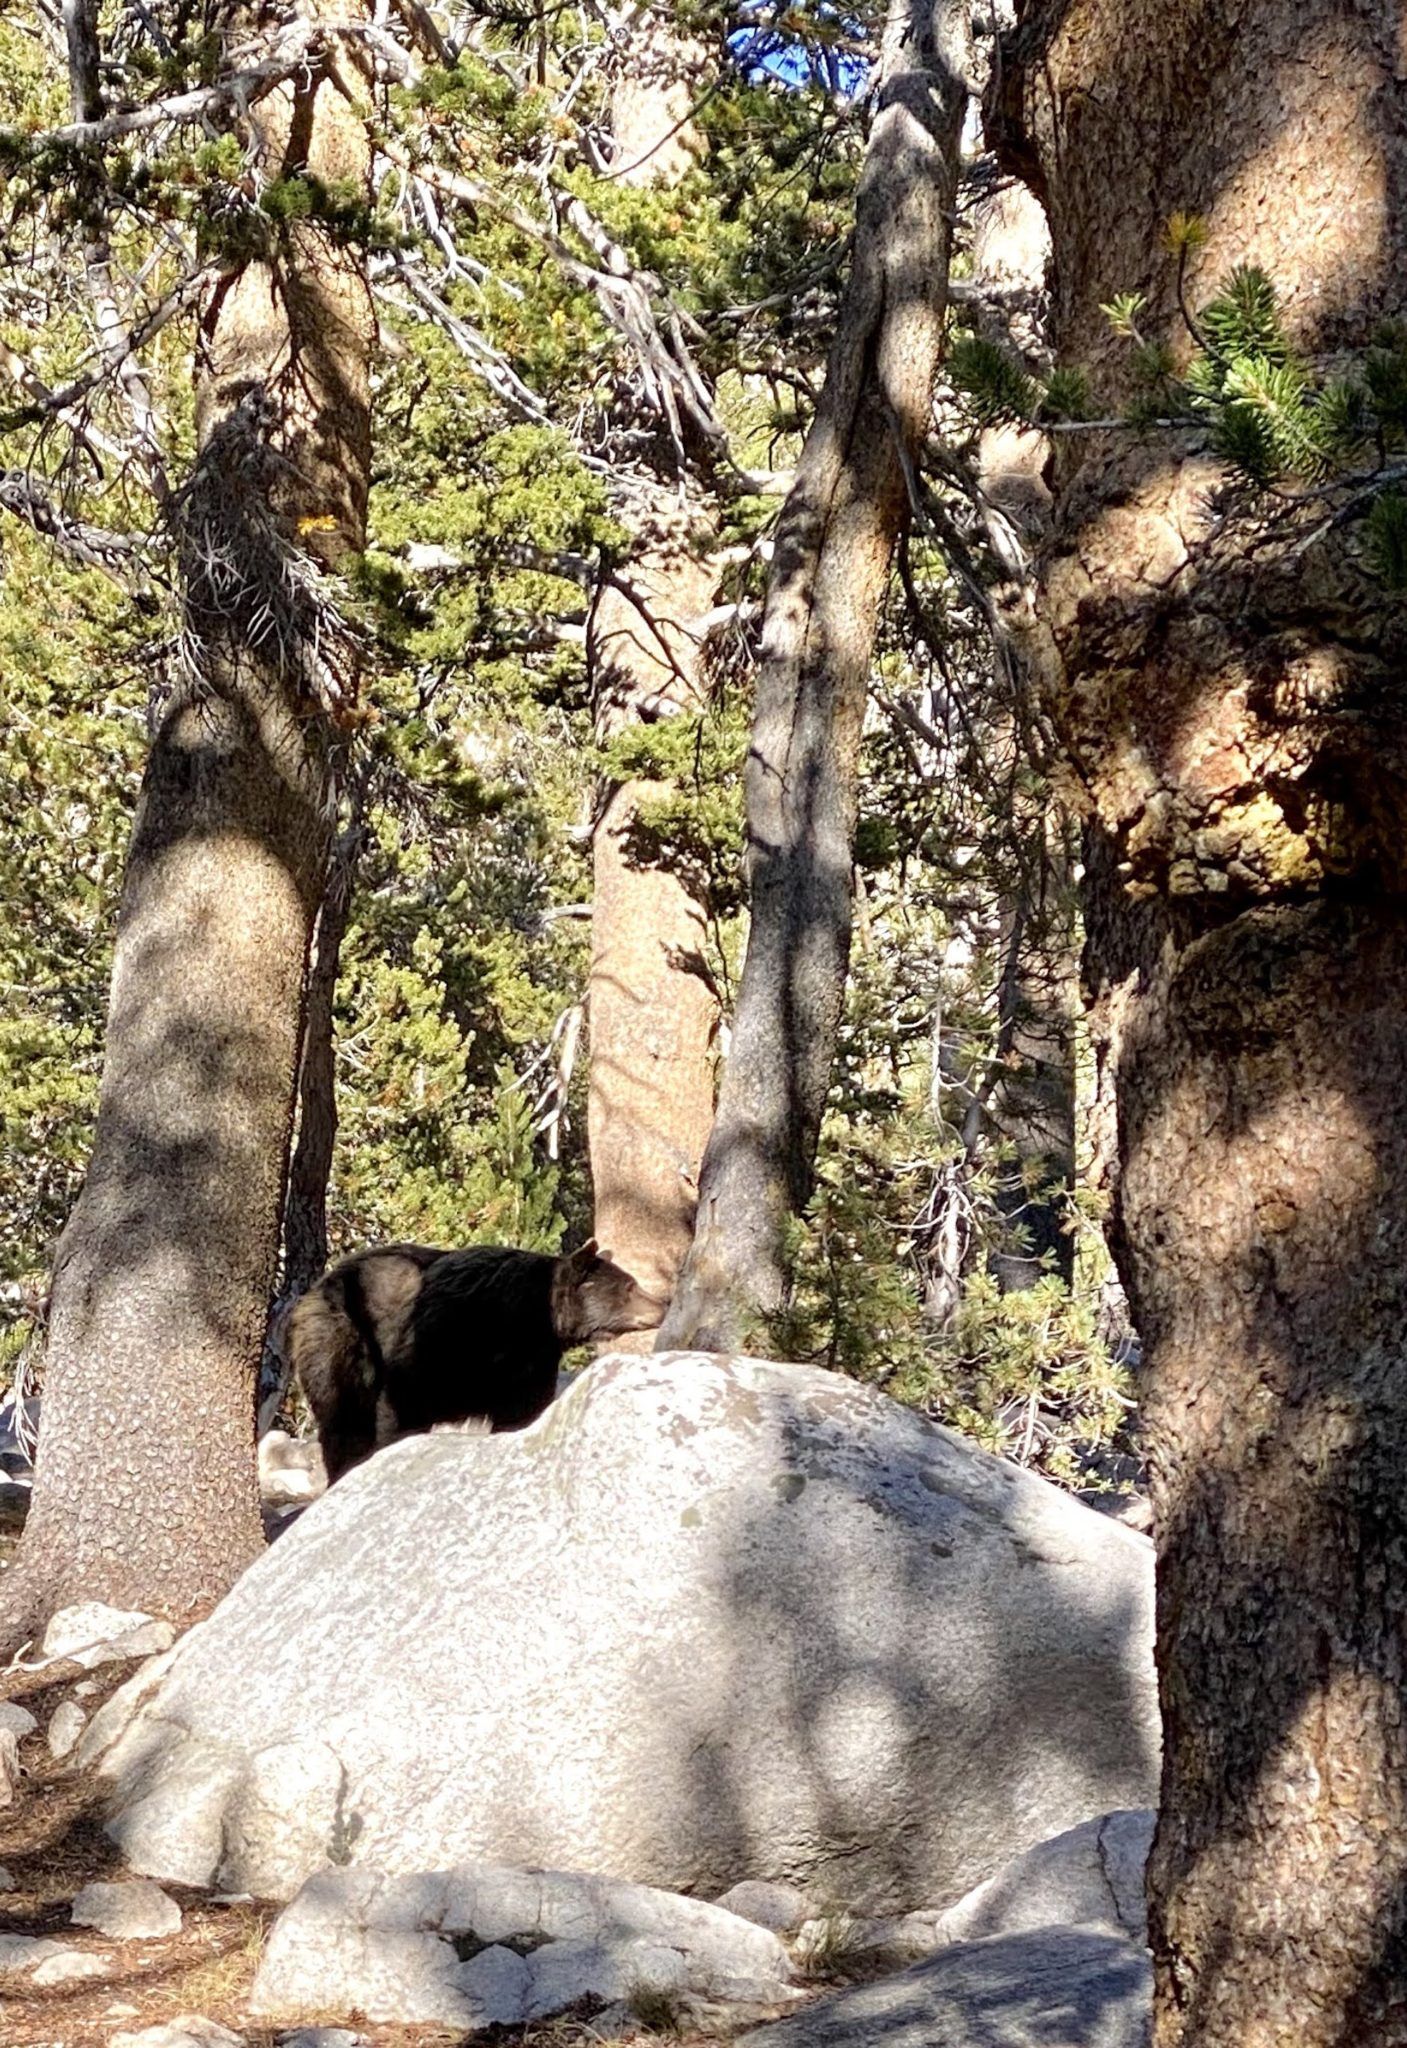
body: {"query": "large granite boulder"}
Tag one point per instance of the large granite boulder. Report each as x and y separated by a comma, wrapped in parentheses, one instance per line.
(706, 1620)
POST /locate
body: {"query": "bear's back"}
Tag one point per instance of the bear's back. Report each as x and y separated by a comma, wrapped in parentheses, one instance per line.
(478, 1340)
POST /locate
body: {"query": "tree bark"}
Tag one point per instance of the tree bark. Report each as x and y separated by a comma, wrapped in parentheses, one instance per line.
(305, 1204)
(1233, 718)
(829, 575)
(145, 1491)
(652, 1008)
(1032, 1100)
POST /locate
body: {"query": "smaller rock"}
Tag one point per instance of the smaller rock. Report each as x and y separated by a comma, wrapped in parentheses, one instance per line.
(1090, 1876)
(291, 1470)
(68, 1723)
(902, 1938)
(187, 2030)
(778, 1906)
(70, 1966)
(121, 2010)
(8, 1882)
(616, 2022)
(94, 1633)
(17, 1719)
(1083, 1987)
(130, 1909)
(322, 2037)
(10, 1772)
(21, 1952)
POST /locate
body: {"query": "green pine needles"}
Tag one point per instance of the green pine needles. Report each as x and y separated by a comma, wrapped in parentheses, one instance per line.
(1278, 425)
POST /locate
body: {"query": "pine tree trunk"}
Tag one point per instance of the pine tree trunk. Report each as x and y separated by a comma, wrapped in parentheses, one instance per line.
(829, 576)
(145, 1490)
(305, 1204)
(1234, 720)
(653, 1013)
(652, 1007)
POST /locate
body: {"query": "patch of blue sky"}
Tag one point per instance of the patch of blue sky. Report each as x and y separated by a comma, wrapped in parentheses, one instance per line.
(774, 48)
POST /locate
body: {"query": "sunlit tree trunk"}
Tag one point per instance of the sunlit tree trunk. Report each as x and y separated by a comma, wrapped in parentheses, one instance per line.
(1235, 720)
(145, 1490)
(829, 575)
(652, 1007)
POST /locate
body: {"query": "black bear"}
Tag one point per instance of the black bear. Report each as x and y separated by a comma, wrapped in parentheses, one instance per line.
(397, 1339)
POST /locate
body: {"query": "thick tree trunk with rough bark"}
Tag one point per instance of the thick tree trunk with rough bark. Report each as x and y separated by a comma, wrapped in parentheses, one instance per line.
(145, 1490)
(1236, 723)
(652, 1007)
(829, 574)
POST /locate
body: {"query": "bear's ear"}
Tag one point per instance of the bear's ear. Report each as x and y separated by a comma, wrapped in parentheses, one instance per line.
(584, 1256)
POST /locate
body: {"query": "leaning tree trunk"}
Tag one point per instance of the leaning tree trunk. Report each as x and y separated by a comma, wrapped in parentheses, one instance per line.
(652, 1005)
(145, 1493)
(828, 580)
(1232, 706)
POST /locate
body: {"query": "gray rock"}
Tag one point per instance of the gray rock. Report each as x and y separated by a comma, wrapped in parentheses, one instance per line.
(497, 1982)
(778, 1906)
(8, 1882)
(1055, 1987)
(73, 1966)
(290, 1470)
(285, 1816)
(566, 1973)
(780, 1613)
(1090, 1876)
(17, 1719)
(180, 1834)
(321, 2037)
(66, 1725)
(129, 1909)
(482, 1944)
(615, 2022)
(187, 2030)
(23, 1952)
(11, 1771)
(93, 1634)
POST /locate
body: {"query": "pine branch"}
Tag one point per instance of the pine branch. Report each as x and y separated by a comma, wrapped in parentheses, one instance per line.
(670, 380)
(26, 498)
(234, 94)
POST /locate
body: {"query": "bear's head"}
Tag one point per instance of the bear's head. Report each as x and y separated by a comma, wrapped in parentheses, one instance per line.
(593, 1297)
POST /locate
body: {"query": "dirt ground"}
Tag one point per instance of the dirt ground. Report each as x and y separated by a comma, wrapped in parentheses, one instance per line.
(52, 1843)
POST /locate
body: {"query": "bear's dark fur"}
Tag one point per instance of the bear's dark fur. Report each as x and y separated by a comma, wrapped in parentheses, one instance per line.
(397, 1339)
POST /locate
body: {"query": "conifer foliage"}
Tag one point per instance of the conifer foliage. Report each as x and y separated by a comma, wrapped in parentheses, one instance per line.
(554, 343)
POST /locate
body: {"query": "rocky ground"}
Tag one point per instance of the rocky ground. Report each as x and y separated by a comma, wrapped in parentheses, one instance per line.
(52, 1845)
